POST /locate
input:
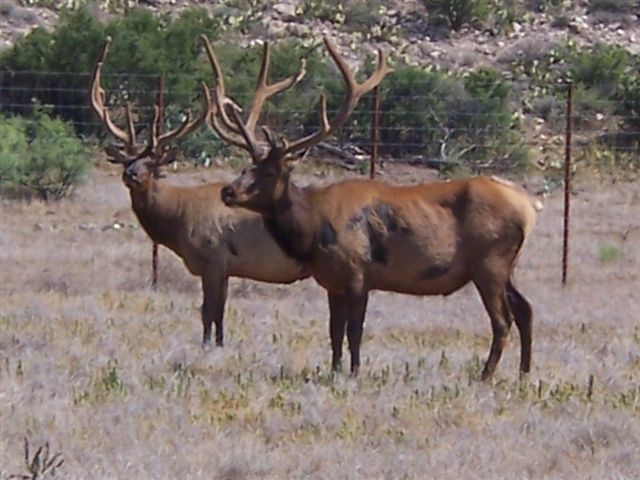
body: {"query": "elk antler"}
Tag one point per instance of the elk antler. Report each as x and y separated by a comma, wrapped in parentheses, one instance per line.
(242, 134)
(97, 99)
(154, 147)
(355, 90)
(235, 131)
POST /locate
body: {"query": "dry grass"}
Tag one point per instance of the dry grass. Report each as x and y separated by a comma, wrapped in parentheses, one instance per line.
(111, 374)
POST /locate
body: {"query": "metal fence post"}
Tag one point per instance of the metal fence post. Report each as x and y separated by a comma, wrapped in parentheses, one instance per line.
(375, 120)
(567, 184)
(154, 250)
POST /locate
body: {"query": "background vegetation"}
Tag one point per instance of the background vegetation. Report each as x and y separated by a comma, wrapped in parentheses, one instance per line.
(40, 155)
(479, 118)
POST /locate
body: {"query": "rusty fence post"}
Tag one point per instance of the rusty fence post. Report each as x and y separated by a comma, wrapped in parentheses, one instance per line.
(375, 120)
(154, 250)
(567, 184)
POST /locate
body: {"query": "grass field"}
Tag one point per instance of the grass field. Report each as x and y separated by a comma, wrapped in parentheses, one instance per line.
(112, 375)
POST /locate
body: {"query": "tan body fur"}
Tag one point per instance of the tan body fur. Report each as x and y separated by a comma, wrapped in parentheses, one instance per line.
(428, 249)
(214, 241)
(195, 224)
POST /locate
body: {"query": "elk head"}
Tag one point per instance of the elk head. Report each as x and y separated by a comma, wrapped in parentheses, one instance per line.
(142, 163)
(260, 186)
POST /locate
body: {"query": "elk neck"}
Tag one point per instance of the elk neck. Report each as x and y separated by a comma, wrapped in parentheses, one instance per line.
(292, 222)
(157, 208)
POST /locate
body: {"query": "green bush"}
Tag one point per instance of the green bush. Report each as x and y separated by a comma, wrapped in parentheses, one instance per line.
(52, 68)
(628, 98)
(40, 155)
(457, 13)
(436, 114)
(602, 67)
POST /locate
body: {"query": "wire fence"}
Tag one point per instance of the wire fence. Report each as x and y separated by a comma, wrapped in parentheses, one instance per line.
(496, 132)
(483, 131)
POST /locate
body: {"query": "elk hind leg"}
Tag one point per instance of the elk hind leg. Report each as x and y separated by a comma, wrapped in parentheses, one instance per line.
(214, 287)
(523, 315)
(357, 307)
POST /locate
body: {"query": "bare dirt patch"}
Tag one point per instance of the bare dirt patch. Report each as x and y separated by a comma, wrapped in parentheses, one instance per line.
(111, 373)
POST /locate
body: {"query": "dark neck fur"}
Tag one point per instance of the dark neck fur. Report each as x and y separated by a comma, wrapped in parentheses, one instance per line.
(156, 213)
(292, 223)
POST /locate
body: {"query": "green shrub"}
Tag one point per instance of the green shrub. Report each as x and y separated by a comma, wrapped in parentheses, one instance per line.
(436, 114)
(40, 155)
(52, 68)
(457, 13)
(602, 67)
(628, 98)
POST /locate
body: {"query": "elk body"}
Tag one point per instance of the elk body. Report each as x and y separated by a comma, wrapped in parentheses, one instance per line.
(214, 241)
(359, 236)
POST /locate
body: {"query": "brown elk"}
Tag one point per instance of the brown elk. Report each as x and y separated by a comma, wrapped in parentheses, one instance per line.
(213, 240)
(363, 235)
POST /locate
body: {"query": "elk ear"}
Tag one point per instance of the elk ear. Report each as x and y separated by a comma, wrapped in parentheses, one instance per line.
(169, 156)
(115, 154)
(290, 161)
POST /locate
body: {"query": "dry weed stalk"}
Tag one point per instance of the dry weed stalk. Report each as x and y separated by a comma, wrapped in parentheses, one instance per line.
(41, 464)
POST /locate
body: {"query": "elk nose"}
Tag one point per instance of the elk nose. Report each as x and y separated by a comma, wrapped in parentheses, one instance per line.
(227, 194)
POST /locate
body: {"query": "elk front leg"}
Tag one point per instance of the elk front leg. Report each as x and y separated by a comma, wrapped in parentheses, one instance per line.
(214, 288)
(356, 309)
(337, 322)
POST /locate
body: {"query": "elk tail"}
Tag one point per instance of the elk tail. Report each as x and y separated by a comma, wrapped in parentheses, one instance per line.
(535, 202)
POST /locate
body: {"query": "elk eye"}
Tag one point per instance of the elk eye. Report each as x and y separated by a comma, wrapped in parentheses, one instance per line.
(269, 174)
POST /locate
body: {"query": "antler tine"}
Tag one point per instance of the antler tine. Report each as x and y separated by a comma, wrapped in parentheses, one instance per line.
(219, 77)
(214, 122)
(153, 144)
(97, 98)
(310, 140)
(355, 91)
(264, 90)
(187, 126)
(252, 146)
(131, 130)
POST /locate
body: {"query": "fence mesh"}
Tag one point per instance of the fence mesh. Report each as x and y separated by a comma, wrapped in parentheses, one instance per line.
(492, 132)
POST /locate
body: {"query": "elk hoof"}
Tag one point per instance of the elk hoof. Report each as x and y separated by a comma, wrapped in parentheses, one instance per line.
(486, 376)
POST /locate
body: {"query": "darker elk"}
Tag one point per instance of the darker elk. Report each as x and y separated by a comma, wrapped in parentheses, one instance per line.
(214, 241)
(363, 235)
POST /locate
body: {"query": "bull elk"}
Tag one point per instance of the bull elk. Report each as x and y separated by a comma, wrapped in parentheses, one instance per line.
(363, 235)
(214, 241)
